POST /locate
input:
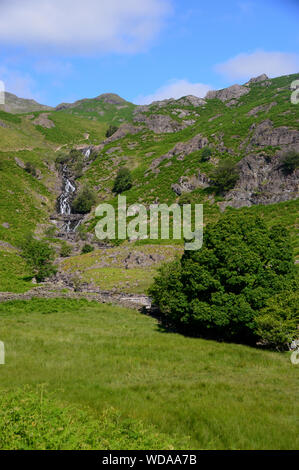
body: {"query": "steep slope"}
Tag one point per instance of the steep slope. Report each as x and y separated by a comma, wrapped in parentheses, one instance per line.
(162, 144)
(165, 151)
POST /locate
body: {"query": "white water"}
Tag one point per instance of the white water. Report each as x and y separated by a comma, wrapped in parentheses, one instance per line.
(65, 198)
(87, 153)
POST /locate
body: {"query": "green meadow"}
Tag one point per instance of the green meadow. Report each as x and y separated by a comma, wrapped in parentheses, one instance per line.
(102, 376)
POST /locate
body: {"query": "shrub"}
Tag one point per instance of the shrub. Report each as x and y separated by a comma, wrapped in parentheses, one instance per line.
(39, 256)
(111, 130)
(224, 176)
(65, 250)
(277, 323)
(32, 418)
(87, 249)
(123, 181)
(206, 154)
(62, 159)
(218, 290)
(290, 161)
(84, 201)
(30, 169)
(81, 231)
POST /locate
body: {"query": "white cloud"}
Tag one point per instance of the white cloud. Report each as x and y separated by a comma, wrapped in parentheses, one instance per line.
(82, 27)
(20, 84)
(244, 66)
(175, 89)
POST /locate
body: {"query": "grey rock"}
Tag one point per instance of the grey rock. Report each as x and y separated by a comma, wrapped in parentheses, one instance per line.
(265, 134)
(188, 184)
(191, 100)
(161, 123)
(19, 162)
(262, 181)
(43, 121)
(258, 79)
(181, 149)
(227, 94)
(264, 108)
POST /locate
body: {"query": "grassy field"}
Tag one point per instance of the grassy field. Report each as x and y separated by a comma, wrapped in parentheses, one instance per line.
(194, 393)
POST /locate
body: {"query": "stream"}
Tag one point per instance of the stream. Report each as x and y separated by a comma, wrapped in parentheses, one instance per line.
(64, 202)
(71, 221)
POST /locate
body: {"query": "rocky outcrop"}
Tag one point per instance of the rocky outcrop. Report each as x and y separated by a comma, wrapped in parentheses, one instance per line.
(43, 121)
(260, 78)
(264, 134)
(262, 181)
(161, 123)
(263, 108)
(227, 94)
(188, 184)
(181, 149)
(123, 130)
(191, 100)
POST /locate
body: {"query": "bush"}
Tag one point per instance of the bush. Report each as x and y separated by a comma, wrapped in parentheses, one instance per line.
(224, 176)
(277, 323)
(62, 159)
(30, 169)
(84, 201)
(74, 161)
(65, 250)
(123, 181)
(32, 418)
(39, 256)
(218, 290)
(206, 154)
(87, 249)
(111, 130)
(290, 161)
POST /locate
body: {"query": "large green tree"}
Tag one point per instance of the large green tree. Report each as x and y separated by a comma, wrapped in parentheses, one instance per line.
(39, 256)
(219, 289)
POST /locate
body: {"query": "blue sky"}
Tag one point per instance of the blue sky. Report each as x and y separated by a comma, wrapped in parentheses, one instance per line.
(63, 50)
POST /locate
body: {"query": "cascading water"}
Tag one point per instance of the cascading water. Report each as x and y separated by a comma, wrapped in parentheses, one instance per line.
(71, 221)
(64, 201)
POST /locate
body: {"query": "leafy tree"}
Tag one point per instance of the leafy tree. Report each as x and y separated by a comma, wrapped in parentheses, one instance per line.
(111, 130)
(206, 154)
(219, 289)
(84, 201)
(290, 161)
(123, 181)
(39, 256)
(277, 323)
(224, 176)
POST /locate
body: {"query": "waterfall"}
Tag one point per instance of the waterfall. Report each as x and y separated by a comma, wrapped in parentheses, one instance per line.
(71, 221)
(87, 153)
(65, 200)
(69, 188)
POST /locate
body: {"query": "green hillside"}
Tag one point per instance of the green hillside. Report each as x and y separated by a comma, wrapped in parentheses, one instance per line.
(157, 161)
